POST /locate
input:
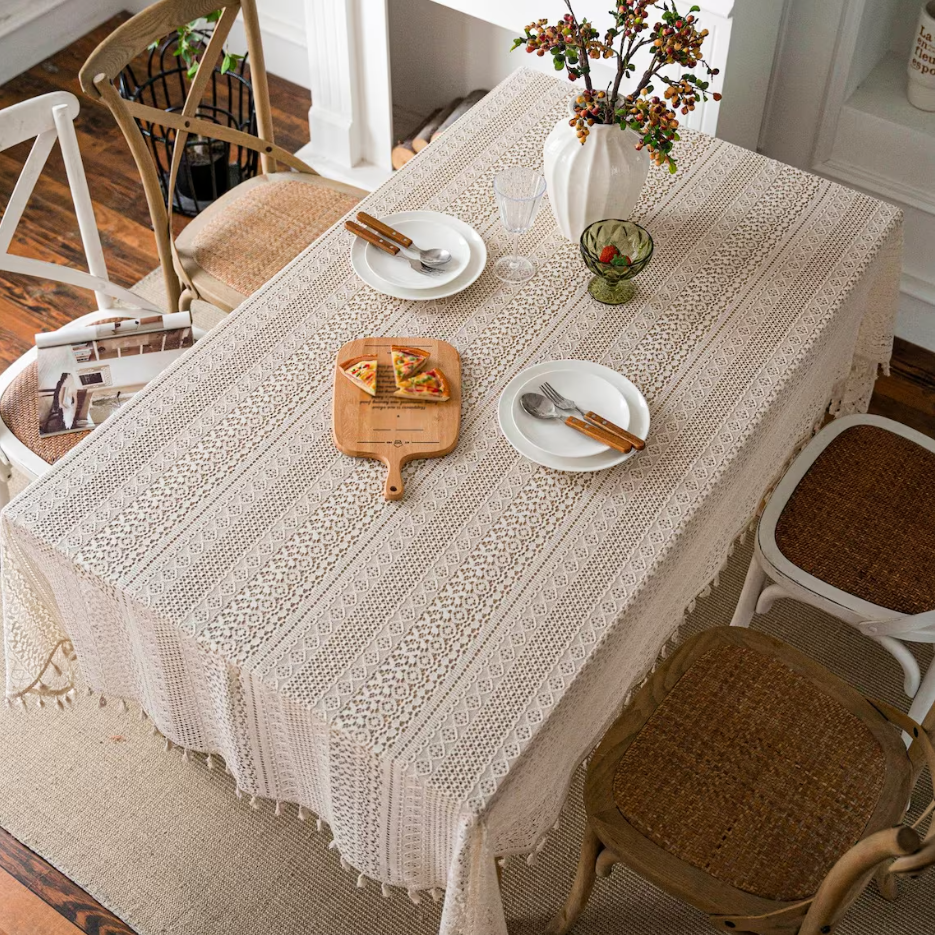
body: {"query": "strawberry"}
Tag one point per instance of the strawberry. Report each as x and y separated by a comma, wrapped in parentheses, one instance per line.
(608, 254)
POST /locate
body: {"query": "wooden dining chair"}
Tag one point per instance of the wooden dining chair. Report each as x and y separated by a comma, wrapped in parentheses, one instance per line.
(47, 119)
(748, 781)
(251, 231)
(849, 530)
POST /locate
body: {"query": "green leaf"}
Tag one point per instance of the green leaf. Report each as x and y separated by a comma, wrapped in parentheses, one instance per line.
(226, 64)
(214, 17)
(517, 42)
(559, 63)
(694, 9)
(672, 167)
(193, 70)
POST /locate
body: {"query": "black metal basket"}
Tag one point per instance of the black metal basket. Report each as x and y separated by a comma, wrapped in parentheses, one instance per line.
(208, 168)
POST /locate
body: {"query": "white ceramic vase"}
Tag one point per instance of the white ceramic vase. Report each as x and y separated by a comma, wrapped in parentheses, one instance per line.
(600, 179)
(921, 90)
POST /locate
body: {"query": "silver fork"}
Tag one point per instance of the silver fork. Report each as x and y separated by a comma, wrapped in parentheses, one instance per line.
(569, 405)
(559, 401)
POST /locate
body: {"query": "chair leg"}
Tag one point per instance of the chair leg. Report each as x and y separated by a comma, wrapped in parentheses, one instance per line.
(752, 586)
(769, 595)
(900, 652)
(591, 849)
(925, 697)
(185, 300)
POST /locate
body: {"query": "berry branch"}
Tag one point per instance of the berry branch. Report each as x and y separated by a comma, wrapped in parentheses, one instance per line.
(674, 39)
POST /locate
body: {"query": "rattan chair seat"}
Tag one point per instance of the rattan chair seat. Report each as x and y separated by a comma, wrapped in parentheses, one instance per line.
(18, 412)
(262, 227)
(749, 772)
(861, 519)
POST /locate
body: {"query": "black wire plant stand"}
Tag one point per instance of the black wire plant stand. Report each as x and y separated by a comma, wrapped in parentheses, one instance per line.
(208, 168)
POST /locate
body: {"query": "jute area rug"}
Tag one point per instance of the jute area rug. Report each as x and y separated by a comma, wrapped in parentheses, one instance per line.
(167, 847)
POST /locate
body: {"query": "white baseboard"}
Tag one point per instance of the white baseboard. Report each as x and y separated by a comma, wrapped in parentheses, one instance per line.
(916, 318)
(365, 175)
(32, 30)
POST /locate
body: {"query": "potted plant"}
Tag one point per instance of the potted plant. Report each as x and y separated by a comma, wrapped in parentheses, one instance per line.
(206, 166)
(597, 160)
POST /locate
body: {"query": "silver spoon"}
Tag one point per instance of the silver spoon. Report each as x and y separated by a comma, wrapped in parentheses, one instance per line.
(541, 408)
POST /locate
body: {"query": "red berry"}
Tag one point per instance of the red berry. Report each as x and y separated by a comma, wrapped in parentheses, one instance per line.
(608, 254)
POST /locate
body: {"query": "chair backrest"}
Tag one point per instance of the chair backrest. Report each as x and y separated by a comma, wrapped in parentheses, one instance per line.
(133, 38)
(45, 119)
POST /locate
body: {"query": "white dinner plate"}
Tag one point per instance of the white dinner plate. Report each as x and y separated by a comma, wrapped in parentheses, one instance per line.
(591, 392)
(475, 265)
(426, 232)
(508, 407)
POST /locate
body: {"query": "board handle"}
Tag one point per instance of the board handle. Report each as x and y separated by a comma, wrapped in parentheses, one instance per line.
(371, 237)
(393, 488)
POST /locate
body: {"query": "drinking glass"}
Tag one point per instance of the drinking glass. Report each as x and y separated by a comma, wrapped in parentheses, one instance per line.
(519, 193)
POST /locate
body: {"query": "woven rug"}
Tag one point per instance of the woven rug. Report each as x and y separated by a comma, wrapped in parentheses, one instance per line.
(166, 846)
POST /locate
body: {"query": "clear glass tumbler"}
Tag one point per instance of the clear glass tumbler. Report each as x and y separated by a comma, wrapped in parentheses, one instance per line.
(519, 193)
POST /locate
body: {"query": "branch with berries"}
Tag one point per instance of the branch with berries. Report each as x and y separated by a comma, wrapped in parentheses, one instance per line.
(672, 40)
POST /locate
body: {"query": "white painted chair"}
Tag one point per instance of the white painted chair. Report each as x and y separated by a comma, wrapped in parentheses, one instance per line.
(837, 534)
(46, 119)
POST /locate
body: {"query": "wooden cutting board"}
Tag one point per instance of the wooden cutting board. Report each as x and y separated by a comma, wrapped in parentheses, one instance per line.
(392, 430)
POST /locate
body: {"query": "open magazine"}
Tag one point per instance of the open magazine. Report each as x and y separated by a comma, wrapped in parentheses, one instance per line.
(87, 372)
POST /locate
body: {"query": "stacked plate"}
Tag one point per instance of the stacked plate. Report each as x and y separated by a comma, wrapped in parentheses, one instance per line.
(594, 388)
(392, 275)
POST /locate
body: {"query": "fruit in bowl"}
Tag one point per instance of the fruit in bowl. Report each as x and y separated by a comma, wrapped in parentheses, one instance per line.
(615, 251)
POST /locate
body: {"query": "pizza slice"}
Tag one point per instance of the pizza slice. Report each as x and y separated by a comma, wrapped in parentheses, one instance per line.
(430, 387)
(407, 361)
(362, 372)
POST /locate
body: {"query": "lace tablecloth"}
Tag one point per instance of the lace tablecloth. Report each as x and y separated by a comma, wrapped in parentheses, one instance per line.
(425, 675)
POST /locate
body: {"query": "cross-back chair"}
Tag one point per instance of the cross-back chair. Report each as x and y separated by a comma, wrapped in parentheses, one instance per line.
(748, 781)
(46, 119)
(250, 232)
(849, 530)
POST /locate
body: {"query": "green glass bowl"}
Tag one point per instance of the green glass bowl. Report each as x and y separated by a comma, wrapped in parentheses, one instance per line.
(611, 284)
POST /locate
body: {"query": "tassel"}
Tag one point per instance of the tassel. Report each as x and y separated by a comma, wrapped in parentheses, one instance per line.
(385, 891)
(123, 705)
(102, 702)
(278, 810)
(227, 768)
(155, 731)
(333, 844)
(501, 862)
(22, 702)
(415, 897)
(238, 793)
(302, 814)
(717, 580)
(558, 825)
(168, 745)
(436, 894)
(253, 802)
(210, 761)
(60, 704)
(361, 882)
(41, 702)
(319, 825)
(691, 607)
(540, 847)
(8, 702)
(345, 865)
(142, 715)
(186, 756)
(531, 859)
(90, 691)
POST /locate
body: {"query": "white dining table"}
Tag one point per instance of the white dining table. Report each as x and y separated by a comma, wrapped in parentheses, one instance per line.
(426, 675)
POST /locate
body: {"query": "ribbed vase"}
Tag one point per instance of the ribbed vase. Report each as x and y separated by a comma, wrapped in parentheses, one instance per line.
(601, 179)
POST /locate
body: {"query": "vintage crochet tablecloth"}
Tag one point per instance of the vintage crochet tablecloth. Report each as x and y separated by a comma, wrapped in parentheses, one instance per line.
(425, 675)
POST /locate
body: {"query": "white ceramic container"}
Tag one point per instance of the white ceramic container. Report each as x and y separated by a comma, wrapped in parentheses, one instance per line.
(600, 179)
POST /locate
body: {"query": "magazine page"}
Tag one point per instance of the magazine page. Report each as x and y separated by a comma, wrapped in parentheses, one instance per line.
(93, 373)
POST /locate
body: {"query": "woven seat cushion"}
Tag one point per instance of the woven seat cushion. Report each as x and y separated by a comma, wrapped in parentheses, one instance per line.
(862, 519)
(752, 774)
(264, 228)
(18, 412)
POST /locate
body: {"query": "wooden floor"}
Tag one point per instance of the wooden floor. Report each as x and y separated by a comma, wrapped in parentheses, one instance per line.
(35, 899)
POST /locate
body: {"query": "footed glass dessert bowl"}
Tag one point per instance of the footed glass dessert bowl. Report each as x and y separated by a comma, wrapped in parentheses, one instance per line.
(615, 251)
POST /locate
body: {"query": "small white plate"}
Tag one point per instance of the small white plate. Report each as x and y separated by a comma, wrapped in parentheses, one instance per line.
(591, 392)
(475, 265)
(636, 403)
(427, 232)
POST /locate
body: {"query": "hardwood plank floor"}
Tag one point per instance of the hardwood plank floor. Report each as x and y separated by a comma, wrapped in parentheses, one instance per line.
(35, 898)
